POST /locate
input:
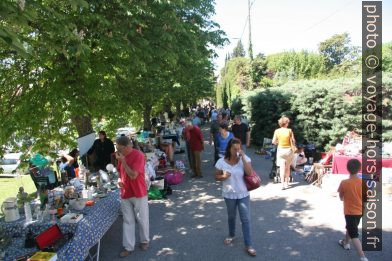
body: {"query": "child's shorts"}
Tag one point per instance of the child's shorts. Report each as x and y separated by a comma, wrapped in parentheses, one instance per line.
(352, 222)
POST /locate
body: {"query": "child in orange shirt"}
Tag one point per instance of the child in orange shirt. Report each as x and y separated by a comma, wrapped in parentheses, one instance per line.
(350, 192)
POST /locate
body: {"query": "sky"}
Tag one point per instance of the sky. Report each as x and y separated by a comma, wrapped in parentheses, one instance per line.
(281, 25)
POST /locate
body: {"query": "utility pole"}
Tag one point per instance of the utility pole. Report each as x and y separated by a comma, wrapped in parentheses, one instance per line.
(250, 33)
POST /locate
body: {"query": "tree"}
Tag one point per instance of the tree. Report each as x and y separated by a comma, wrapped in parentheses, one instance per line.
(387, 57)
(258, 69)
(335, 49)
(239, 50)
(101, 60)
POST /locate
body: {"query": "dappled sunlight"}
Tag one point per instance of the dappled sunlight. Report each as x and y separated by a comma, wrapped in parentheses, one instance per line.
(165, 251)
(295, 253)
(192, 223)
(169, 216)
(156, 237)
(182, 230)
(203, 198)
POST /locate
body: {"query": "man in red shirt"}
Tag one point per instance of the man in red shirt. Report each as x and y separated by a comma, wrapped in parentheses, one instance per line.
(196, 144)
(186, 136)
(134, 200)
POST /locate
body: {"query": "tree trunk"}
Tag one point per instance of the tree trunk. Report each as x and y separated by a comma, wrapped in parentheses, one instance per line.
(83, 124)
(146, 118)
(178, 109)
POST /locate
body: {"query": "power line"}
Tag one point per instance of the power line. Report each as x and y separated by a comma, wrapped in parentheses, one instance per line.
(243, 30)
(246, 21)
(329, 16)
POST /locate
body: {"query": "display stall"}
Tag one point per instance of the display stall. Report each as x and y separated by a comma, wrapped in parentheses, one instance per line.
(83, 235)
(71, 215)
(81, 210)
(351, 148)
(339, 163)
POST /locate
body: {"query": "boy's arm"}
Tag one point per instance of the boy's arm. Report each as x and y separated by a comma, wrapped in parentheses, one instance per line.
(341, 196)
(341, 193)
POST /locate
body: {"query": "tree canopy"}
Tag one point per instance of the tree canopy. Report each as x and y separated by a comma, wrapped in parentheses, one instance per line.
(335, 49)
(239, 50)
(65, 64)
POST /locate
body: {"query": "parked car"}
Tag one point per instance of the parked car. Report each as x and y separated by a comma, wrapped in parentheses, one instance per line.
(127, 131)
(9, 163)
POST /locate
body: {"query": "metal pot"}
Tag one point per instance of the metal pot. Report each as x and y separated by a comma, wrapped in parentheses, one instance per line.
(10, 210)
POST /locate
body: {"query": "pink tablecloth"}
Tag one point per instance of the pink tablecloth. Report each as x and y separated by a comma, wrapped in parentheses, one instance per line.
(340, 162)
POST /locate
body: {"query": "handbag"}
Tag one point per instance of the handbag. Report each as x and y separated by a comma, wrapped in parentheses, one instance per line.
(252, 181)
(173, 177)
(294, 148)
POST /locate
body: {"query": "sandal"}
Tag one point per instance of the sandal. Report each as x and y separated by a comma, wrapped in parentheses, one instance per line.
(251, 251)
(229, 240)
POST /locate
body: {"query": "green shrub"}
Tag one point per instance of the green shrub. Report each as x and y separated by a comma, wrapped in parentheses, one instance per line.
(264, 108)
(321, 111)
(237, 106)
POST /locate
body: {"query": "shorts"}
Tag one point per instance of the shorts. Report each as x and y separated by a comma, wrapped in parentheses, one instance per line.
(352, 222)
(284, 156)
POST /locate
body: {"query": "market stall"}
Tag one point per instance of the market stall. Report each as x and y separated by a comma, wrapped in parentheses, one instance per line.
(351, 148)
(69, 216)
(339, 163)
(96, 220)
(81, 209)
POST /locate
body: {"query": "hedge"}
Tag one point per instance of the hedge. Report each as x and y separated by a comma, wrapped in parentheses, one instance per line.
(321, 111)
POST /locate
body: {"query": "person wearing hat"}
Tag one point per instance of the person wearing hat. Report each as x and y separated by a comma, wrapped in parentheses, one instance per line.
(103, 148)
(134, 199)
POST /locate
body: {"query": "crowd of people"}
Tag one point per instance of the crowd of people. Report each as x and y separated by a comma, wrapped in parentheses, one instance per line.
(230, 137)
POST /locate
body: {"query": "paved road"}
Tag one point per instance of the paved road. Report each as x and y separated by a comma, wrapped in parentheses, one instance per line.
(302, 223)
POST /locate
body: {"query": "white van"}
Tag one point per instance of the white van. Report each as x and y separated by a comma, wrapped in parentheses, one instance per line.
(127, 131)
(10, 162)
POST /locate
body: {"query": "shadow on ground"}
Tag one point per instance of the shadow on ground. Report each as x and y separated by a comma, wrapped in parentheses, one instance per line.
(192, 224)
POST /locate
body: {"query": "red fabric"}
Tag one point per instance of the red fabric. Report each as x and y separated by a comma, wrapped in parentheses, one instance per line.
(196, 139)
(187, 134)
(339, 163)
(327, 158)
(133, 187)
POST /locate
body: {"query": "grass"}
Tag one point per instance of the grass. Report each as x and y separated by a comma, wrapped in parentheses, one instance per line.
(9, 187)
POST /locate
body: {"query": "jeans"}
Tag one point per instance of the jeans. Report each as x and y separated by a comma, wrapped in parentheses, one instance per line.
(244, 210)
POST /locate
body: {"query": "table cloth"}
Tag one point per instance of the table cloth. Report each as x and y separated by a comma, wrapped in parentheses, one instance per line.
(97, 219)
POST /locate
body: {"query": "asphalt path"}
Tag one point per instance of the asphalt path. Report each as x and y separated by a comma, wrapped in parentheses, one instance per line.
(301, 223)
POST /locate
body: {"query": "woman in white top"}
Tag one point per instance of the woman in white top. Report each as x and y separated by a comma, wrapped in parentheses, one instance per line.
(231, 170)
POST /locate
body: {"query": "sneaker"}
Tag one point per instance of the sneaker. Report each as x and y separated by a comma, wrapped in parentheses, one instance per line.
(345, 246)
(363, 258)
